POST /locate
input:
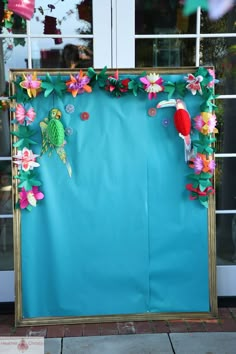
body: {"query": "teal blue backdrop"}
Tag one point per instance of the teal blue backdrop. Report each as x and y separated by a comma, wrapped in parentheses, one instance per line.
(120, 236)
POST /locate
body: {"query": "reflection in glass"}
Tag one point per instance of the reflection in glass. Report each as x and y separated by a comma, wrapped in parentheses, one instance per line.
(225, 114)
(225, 183)
(6, 244)
(17, 58)
(62, 17)
(164, 52)
(226, 239)
(226, 200)
(162, 16)
(220, 52)
(45, 54)
(5, 149)
(225, 24)
(5, 188)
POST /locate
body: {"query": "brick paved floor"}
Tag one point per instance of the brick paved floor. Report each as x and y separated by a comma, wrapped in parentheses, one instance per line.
(226, 322)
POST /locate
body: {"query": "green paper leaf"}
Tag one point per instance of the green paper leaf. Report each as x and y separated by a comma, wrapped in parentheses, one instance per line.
(191, 6)
(195, 184)
(177, 88)
(194, 177)
(28, 180)
(19, 41)
(21, 95)
(135, 86)
(24, 134)
(204, 201)
(29, 207)
(97, 78)
(205, 175)
(170, 89)
(56, 86)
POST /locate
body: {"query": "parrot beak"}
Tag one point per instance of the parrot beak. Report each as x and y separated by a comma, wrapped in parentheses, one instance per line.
(169, 103)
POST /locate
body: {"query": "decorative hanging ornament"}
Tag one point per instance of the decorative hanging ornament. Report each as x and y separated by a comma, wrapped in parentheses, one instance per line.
(182, 122)
(53, 134)
(23, 8)
(50, 25)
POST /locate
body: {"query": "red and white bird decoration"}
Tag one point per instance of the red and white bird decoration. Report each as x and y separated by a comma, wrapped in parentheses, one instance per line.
(182, 122)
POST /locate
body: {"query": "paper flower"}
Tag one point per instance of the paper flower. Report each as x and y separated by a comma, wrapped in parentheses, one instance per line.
(205, 123)
(78, 84)
(23, 115)
(31, 83)
(117, 86)
(194, 83)
(202, 195)
(153, 84)
(84, 115)
(202, 164)
(26, 159)
(7, 15)
(214, 80)
(28, 199)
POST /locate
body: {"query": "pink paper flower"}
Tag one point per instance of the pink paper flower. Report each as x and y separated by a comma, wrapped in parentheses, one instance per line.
(205, 123)
(153, 84)
(203, 164)
(23, 115)
(31, 83)
(26, 159)
(29, 198)
(194, 83)
(214, 80)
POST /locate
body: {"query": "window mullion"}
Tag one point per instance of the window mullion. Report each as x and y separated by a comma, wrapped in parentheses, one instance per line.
(198, 32)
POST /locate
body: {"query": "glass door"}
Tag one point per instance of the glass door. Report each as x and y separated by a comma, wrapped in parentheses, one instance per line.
(61, 34)
(156, 34)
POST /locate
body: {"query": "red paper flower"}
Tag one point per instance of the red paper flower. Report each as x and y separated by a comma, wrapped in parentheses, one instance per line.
(84, 115)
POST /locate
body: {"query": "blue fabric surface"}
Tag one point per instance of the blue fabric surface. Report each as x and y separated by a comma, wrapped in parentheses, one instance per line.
(121, 235)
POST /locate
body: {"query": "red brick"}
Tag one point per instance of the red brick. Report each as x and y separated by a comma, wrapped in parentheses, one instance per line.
(21, 331)
(228, 325)
(160, 327)
(196, 327)
(143, 327)
(38, 331)
(5, 330)
(177, 326)
(109, 328)
(55, 331)
(211, 321)
(73, 330)
(213, 326)
(7, 319)
(91, 329)
(126, 328)
(224, 312)
(233, 311)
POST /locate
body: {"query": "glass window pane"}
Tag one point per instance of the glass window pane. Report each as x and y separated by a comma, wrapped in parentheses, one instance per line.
(225, 24)
(220, 52)
(225, 183)
(16, 56)
(47, 54)
(62, 17)
(226, 125)
(5, 148)
(5, 188)
(164, 52)
(226, 239)
(162, 16)
(6, 244)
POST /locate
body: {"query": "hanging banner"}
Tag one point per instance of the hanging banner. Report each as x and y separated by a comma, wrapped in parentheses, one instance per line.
(114, 198)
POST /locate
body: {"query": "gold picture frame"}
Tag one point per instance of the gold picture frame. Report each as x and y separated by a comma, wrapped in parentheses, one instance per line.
(20, 319)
